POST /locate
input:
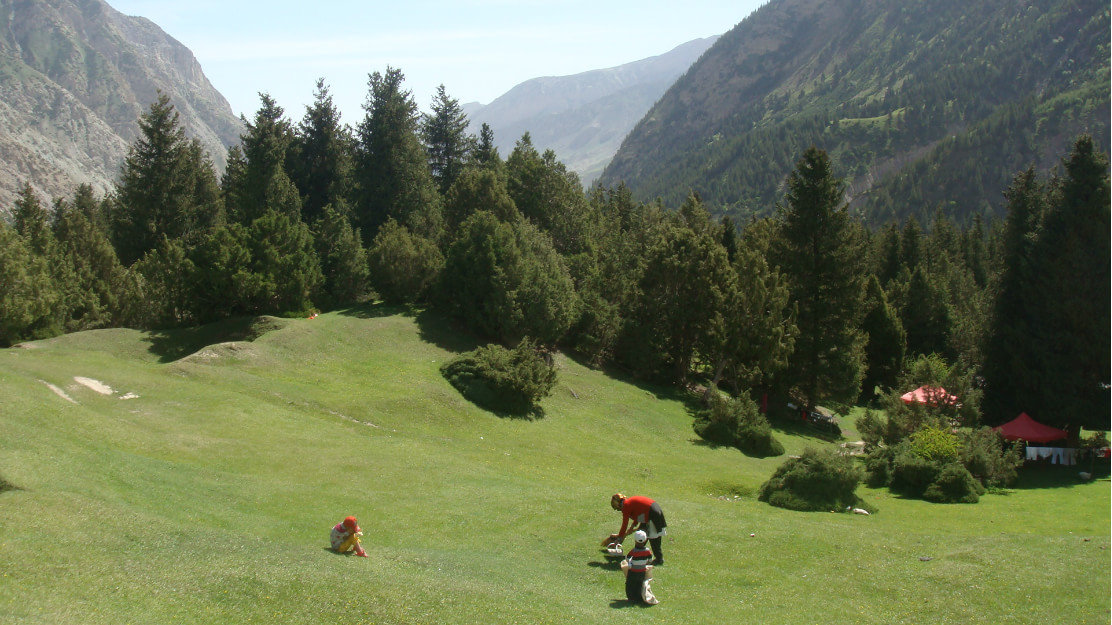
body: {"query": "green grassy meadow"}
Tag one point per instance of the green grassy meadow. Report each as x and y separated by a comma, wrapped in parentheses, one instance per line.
(201, 489)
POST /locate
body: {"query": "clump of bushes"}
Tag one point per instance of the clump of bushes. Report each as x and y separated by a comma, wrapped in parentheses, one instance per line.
(736, 422)
(817, 480)
(503, 380)
(939, 465)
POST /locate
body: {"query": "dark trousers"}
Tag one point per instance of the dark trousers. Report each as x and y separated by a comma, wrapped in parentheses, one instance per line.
(634, 579)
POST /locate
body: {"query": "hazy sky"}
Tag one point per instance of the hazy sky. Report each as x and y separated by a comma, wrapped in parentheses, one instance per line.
(478, 49)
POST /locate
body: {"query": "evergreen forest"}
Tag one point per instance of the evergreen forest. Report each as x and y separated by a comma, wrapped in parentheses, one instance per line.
(808, 305)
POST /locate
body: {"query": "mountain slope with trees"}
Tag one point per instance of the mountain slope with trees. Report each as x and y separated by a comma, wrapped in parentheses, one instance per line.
(74, 77)
(920, 104)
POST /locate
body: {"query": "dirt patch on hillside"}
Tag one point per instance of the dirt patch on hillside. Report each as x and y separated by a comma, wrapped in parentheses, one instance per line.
(59, 392)
(95, 385)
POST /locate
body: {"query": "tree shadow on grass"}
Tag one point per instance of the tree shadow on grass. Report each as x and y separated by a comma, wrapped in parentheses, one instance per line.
(1036, 475)
(487, 400)
(447, 334)
(5, 486)
(608, 565)
(377, 310)
(801, 429)
(177, 343)
(692, 401)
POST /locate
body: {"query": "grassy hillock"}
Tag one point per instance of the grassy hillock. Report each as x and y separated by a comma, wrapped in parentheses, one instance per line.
(192, 477)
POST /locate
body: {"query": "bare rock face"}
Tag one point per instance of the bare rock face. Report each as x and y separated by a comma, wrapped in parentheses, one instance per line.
(75, 76)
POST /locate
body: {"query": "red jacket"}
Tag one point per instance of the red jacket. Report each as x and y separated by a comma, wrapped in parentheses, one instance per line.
(634, 509)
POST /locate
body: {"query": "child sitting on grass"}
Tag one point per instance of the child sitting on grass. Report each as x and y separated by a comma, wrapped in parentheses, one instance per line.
(345, 537)
(638, 571)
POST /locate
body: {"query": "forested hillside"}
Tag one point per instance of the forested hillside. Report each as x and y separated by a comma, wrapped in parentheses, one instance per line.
(920, 104)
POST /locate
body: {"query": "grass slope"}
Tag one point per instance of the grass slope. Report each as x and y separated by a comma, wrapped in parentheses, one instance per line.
(202, 489)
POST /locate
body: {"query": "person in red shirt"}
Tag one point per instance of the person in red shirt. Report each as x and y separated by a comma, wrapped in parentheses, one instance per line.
(646, 513)
(345, 537)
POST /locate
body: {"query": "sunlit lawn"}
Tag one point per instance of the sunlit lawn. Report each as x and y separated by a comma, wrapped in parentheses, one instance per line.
(208, 498)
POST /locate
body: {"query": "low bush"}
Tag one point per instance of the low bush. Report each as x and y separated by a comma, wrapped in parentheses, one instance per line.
(943, 467)
(815, 481)
(954, 484)
(502, 380)
(736, 422)
(988, 459)
(910, 473)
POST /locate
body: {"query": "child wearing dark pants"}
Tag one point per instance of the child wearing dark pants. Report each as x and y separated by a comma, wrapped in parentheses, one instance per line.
(637, 568)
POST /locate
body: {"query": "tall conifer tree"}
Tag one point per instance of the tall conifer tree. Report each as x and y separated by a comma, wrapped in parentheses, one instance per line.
(321, 157)
(1073, 291)
(820, 250)
(392, 168)
(167, 187)
(444, 131)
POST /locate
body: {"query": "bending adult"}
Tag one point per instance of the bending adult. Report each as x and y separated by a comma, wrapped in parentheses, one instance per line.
(639, 512)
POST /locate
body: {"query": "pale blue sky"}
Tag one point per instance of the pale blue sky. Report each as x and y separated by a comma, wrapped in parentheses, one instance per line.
(478, 49)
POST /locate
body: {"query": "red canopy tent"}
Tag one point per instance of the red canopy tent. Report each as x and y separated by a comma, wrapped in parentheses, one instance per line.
(1025, 428)
(932, 395)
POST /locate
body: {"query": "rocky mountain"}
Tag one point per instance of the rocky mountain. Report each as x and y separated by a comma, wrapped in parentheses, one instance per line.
(584, 117)
(75, 75)
(921, 104)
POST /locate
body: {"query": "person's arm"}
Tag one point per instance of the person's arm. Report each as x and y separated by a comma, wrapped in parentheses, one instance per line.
(625, 521)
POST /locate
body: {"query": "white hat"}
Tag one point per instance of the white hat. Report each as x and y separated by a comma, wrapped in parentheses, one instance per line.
(640, 536)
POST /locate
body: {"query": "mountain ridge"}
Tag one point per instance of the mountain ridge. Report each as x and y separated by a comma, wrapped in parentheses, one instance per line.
(901, 96)
(583, 117)
(75, 75)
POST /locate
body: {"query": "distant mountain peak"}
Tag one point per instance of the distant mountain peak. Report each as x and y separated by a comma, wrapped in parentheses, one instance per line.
(583, 117)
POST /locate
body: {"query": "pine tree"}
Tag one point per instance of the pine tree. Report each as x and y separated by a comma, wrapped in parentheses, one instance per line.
(28, 299)
(478, 189)
(752, 337)
(98, 274)
(446, 140)
(1073, 292)
(550, 196)
(32, 223)
(285, 263)
(343, 259)
(683, 294)
(506, 281)
(167, 187)
(886, 342)
(266, 185)
(1009, 369)
(820, 250)
(391, 166)
(321, 157)
(485, 153)
(403, 266)
(926, 315)
(223, 283)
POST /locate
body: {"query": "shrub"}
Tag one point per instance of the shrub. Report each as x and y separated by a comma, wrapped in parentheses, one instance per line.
(878, 466)
(985, 457)
(911, 473)
(403, 265)
(816, 480)
(935, 443)
(954, 484)
(941, 467)
(738, 423)
(500, 379)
